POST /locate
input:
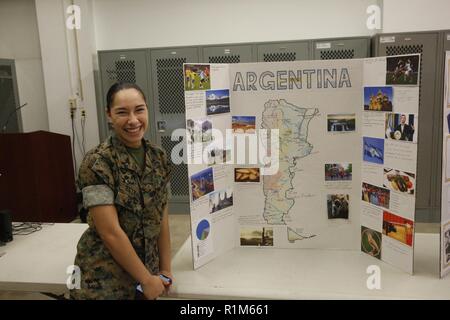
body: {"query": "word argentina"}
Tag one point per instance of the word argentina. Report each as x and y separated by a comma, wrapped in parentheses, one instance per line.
(292, 79)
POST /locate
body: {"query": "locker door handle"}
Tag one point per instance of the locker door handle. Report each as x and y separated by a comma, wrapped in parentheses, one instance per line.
(161, 125)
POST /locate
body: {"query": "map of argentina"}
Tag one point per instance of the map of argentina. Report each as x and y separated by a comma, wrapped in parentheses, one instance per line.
(292, 122)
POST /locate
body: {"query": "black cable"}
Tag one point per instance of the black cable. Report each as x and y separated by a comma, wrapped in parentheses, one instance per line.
(73, 144)
(11, 114)
(26, 228)
(78, 140)
(83, 133)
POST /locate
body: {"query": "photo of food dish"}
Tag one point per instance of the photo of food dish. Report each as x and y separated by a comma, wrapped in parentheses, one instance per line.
(246, 175)
(397, 180)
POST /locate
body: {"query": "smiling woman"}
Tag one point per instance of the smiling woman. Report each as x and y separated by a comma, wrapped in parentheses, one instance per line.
(127, 112)
(124, 186)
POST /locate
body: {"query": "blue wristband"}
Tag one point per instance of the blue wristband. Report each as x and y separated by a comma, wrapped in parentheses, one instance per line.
(165, 278)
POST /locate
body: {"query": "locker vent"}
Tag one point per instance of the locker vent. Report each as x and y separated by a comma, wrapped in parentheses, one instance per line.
(284, 56)
(337, 54)
(122, 70)
(169, 73)
(179, 185)
(225, 59)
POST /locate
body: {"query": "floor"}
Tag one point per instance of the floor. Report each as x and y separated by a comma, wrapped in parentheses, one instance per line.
(180, 231)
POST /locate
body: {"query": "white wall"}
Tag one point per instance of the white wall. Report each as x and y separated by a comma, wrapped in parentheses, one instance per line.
(59, 63)
(155, 23)
(19, 40)
(33, 33)
(415, 15)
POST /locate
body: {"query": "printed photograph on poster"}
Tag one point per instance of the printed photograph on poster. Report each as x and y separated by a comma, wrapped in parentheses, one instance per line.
(197, 77)
(376, 195)
(246, 175)
(400, 181)
(338, 206)
(448, 82)
(402, 70)
(446, 246)
(218, 156)
(338, 172)
(447, 159)
(217, 102)
(243, 124)
(400, 126)
(378, 98)
(373, 150)
(203, 241)
(261, 236)
(198, 131)
(221, 199)
(448, 122)
(371, 242)
(203, 229)
(398, 228)
(341, 122)
(202, 183)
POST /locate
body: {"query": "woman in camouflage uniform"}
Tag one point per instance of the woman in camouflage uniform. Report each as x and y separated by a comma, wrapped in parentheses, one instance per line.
(123, 182)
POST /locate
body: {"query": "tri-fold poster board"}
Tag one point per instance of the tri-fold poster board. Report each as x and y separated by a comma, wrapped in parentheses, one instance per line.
(304, 154)
(445, 199)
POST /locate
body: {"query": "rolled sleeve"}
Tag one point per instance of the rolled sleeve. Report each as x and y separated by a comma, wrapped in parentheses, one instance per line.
(96, 181)
(97, 195)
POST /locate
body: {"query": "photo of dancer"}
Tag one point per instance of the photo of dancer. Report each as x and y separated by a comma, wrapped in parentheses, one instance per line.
(371, 242)
(402, 70)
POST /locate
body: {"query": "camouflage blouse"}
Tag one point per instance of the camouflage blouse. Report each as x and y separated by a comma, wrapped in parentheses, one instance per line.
(109, 175)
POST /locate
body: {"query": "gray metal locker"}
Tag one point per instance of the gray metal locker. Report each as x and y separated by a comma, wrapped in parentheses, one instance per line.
(283, 51)
(169, 113)
(227, 54)
(425, 43)
(344, 48)
(443, 46)
(10, 120)
(120, 65)
(446, 40)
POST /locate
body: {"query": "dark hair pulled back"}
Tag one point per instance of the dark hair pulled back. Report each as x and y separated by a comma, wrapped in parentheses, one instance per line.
(118, 86)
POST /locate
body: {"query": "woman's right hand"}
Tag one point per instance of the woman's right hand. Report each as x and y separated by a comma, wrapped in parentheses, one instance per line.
(153, 287)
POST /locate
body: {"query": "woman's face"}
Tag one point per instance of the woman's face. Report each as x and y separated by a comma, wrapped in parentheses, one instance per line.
(129, 117)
